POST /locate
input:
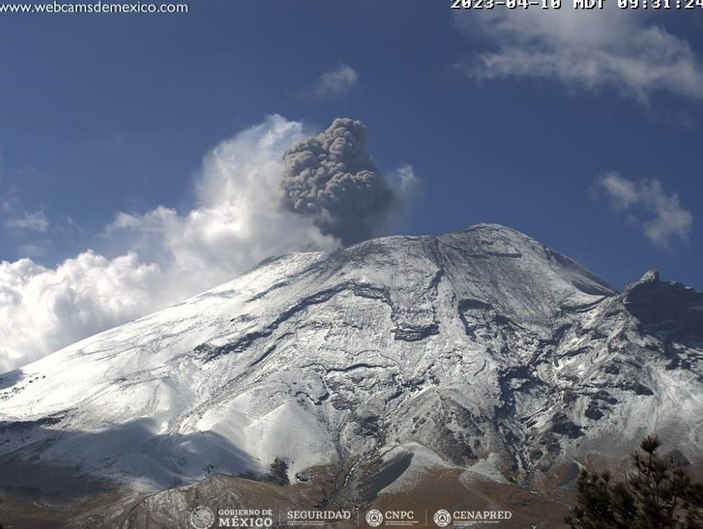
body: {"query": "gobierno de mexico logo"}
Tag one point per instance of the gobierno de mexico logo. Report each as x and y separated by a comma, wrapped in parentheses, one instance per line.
(202, 517)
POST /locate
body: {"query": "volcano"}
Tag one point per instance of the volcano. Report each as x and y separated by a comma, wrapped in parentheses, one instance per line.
(482, 358)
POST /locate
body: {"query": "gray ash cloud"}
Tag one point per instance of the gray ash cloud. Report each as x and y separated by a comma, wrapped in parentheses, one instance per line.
(331, 178)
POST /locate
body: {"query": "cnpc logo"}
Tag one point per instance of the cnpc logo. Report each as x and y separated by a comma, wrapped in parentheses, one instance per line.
(375, 518)
(442, 518)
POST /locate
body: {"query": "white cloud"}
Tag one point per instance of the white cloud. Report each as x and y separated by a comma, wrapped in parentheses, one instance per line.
(621, 192)
(585, 50)
(406, 184)
(163, 256)
(29, 221)
(238, 220)
(27, 232)
(337, 82)
(42, 309)
(660, 215)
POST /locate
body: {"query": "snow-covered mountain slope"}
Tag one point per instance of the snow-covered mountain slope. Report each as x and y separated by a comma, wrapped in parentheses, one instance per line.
(483, 347)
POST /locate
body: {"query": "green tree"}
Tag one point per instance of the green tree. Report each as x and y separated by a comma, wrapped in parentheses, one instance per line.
(656, 494)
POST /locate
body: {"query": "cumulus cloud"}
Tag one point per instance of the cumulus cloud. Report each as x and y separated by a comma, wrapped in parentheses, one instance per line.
(331, 179)
(42, 309)
(162, 256)
(587, 50)
(660, 215)
(337, 82)
(238, 220)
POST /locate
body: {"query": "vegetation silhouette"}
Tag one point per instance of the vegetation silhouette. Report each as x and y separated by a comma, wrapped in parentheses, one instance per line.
(656, 494)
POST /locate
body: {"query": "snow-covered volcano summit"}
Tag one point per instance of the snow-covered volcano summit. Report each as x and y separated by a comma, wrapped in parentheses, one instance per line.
(483, 348)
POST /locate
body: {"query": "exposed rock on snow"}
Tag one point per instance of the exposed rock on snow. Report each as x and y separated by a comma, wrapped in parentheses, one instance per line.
(483, 347)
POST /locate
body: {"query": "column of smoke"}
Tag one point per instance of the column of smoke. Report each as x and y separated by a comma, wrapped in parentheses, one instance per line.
(332, 179)
(255, 200)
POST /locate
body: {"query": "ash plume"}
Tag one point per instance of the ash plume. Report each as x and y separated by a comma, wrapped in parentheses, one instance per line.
(333, 180)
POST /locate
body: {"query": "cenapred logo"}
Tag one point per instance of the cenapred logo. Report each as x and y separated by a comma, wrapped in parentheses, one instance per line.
(374, 517)
(202, 517)
(442, 518)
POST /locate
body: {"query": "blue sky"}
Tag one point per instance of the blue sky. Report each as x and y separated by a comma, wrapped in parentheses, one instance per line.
(583, 130)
